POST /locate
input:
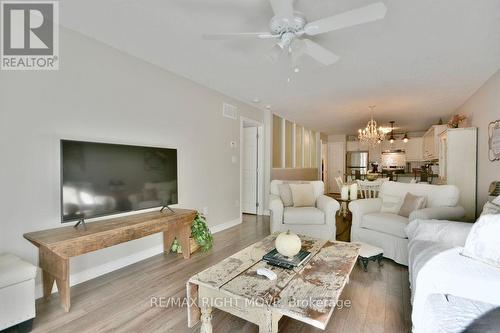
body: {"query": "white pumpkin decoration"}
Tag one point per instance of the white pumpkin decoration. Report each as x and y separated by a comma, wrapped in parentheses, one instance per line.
(288, 244)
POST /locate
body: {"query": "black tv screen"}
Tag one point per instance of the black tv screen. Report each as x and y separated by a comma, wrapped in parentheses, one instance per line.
(100, 179)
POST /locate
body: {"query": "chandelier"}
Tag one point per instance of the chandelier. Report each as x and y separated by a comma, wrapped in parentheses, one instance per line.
(371, 135)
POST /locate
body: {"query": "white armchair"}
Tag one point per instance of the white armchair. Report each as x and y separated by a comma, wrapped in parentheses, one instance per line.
(17, 293)
(318, 221)
(386, 229)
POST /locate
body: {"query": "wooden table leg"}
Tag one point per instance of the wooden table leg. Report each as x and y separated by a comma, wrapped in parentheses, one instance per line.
(168, 239)
(183, 237)
(48, 283)
(182, 233)
(55, 268)
(270, 324)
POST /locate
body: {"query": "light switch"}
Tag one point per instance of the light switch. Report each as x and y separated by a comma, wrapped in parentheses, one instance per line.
(234, 159)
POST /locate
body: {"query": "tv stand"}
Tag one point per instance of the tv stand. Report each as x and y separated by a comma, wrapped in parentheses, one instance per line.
(82, 222)
(57, 246)
(166, 206)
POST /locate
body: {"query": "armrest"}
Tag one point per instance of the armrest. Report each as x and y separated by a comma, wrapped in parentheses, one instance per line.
(329, 206)
(444, 232)
(451, 273)
(276, 208)
(438, 213)
(361, 207)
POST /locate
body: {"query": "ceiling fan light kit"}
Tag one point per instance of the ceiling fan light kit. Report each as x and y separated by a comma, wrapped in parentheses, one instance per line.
(289, 27)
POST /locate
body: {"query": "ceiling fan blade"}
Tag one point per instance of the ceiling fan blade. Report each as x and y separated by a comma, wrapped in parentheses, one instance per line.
(259, 35)
(283, 8)
(319, 53)
(353, 17)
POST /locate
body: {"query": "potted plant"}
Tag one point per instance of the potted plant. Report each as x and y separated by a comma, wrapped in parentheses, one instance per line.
(201, 237)
(457, 120)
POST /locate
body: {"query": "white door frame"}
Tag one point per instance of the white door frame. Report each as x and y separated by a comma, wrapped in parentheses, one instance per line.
(260, 163)
(331, 162)
(324, 158)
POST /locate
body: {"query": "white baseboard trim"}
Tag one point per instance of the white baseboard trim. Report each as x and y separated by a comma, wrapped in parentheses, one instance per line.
(223, 226)
(96, 271)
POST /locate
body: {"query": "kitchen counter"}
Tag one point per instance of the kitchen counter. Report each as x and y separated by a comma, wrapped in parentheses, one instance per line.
(412, 175)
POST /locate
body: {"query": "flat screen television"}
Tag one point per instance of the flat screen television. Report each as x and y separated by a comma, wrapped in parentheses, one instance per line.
(99, 179)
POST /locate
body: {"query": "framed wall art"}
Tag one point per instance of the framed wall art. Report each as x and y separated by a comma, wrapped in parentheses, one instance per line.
(494, 140)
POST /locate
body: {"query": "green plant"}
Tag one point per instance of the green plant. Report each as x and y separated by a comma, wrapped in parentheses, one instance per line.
(200, 233)
(176, 247)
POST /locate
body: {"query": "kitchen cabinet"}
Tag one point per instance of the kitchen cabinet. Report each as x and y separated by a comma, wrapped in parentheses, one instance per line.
(353, 146)
(414, 150)
(458, 165)
(431, 142)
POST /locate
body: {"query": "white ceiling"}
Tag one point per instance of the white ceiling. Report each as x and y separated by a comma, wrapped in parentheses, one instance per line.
(419, 63)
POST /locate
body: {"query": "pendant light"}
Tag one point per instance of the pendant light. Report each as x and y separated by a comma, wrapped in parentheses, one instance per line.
(406, 138)
(392, 139)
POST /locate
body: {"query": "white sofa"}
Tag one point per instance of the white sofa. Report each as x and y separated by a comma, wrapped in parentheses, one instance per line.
(448, 290)
(17, 292)
(387, 230)
(318, 221)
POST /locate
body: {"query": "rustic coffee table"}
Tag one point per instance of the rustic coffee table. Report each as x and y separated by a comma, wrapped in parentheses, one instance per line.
(308, 293)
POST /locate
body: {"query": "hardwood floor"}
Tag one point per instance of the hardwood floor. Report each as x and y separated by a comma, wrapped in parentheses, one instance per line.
(121, 301)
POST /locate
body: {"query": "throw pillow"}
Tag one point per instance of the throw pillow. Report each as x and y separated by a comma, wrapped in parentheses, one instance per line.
(303, 195)
(286, 194)
(390, 204)
(496, 201)
(482, 243)
(490, 208)
(411, 203)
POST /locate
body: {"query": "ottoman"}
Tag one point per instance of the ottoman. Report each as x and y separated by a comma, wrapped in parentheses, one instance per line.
(17, 292)
(370, 253)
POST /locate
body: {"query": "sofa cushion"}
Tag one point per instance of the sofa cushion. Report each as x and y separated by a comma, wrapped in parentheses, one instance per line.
(419, 253)
(490, 208)
(437, 195)
(303, 215)
(303, 195)
(388, 223)
(286, 194)
(482, 243)
(390, 203)
(14, 270)
(452, 314)
(318, 186)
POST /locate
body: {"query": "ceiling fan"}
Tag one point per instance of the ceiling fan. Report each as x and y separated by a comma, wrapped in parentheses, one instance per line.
(289, 28)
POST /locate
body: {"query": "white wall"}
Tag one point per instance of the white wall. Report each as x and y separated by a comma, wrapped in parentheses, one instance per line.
(102, 94)
(482, 108)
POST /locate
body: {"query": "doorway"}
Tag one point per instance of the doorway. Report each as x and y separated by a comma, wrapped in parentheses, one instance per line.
(251, 167)
(336, 165)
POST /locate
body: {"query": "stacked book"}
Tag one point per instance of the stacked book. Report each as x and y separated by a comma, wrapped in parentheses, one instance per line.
(276, 259)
